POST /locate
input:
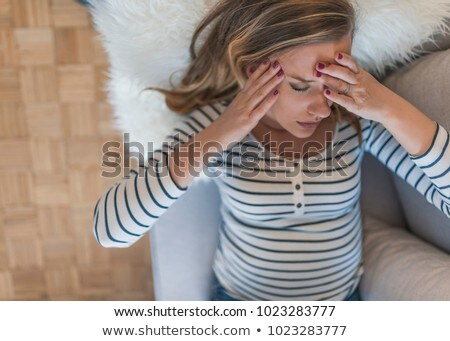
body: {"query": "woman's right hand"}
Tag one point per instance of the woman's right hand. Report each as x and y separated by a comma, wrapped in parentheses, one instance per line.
(252, 102)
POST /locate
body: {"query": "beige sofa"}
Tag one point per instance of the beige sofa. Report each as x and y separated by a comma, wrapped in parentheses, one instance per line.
(407, 243)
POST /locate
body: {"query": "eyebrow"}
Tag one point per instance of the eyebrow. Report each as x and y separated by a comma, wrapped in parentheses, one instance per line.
(301, 79)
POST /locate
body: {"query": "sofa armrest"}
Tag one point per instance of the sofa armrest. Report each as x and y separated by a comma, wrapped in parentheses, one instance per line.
(400, 266)
(183, 244)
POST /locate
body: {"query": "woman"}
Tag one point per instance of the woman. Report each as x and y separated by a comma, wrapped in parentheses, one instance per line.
(276, 96)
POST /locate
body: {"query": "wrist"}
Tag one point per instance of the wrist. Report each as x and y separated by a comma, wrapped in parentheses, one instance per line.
(397, 110)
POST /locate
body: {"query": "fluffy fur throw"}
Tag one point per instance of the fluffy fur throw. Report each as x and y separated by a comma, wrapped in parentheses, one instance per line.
(146, 40)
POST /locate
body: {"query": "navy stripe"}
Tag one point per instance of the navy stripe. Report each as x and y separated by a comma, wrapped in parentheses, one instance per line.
(331, 182)
(139, 199)
(257, 193)
(421, 177)
(332, 193)
(170, 175)
(250, 204)
(191, 126)
(440, 175)
(288, 271)
(96, 229)
(410, 170)
(293, 240)
(261, 214)
(287, 227)
(432, 144)
(296, 261)
(383, 145)
(206, 115)
(331, 203)
(342, 246)
(440, 156)
(298, 295)
(255, 180)
(129, 210)
(149, 191)
(215, 109)
(158, 177)
(344, 271)
(108, 233)
(400, 163)
(197, 122)
(118, 218)
(393, 152)
(292, 279)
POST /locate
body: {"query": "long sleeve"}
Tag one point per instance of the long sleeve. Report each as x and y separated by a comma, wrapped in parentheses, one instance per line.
(127, 210)
(428, 173)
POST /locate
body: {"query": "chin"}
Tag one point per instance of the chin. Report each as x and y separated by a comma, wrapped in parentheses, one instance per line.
(303, 133)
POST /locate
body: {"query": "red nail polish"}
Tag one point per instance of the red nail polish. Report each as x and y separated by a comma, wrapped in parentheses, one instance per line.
(318, 74)
(340, 56)
(252, 69)
(328, 92)
(321, 66)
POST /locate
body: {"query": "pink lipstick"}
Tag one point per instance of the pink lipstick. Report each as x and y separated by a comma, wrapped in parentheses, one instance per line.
(308, 125)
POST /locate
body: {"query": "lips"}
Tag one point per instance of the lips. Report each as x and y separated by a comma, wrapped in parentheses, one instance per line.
(308, 124)
(315, 122)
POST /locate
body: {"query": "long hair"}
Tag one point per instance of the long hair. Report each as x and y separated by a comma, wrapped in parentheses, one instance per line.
(245, 32)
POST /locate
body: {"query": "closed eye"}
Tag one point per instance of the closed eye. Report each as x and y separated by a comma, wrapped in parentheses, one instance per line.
(299, 89)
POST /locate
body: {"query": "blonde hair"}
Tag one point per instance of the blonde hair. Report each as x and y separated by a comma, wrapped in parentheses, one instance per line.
(245, 32)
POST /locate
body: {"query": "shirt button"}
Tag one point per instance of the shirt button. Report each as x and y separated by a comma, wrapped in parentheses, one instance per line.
(299, 205)
(297, 186)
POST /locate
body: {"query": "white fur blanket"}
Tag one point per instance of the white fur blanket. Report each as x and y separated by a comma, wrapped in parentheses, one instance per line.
(146, 40)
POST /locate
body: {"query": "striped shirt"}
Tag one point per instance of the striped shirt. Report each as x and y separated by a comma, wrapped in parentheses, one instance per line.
(290, 230)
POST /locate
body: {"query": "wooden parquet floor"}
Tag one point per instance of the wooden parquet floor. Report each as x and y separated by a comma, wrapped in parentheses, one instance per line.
(54, 120)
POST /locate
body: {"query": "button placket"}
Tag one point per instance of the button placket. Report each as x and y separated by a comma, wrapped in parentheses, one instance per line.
(299, 197)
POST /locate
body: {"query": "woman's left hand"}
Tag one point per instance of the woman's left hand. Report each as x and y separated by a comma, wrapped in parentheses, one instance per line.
(353, 88)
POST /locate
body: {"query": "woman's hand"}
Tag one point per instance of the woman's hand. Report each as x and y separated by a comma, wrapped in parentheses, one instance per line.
(252, 103)
(355, 89)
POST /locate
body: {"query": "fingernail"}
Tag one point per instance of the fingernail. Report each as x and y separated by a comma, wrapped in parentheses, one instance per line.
(266, 62)
(321, 66)
(318, 74)
(252, 69)
(340, 56)
(276, 64)
(328, 92)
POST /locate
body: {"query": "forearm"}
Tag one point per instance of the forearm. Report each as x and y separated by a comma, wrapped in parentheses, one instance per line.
(187, 161)
(409, 126)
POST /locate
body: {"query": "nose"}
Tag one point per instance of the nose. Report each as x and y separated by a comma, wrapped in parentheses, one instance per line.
(320, 106)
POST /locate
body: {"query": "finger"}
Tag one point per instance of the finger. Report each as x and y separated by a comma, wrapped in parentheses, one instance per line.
(265, 105)
(347, 60)
(343, 100)
(336, 84)
(337, 71)
(263, 91)
(257, 73)
(265, 77)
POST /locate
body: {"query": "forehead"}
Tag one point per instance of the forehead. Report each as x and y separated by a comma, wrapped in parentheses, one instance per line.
(301, 59)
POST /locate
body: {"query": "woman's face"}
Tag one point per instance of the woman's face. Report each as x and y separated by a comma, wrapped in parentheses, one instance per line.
(303, 101)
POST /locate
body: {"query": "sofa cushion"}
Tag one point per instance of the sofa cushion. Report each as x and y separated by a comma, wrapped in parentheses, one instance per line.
(379, 197)
(425, 84)
(399, 266)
